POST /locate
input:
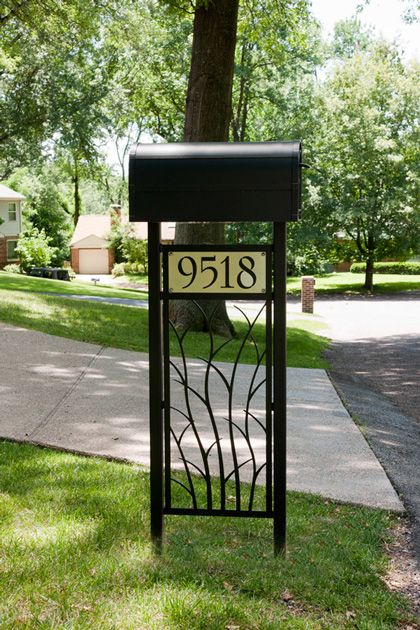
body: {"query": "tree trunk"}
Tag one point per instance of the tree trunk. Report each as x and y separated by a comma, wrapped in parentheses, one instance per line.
(209, 96)
(207, 119)
(184, 313)
(369, 273)
(77, 197)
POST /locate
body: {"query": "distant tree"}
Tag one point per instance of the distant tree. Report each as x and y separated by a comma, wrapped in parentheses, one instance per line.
(45, 208)
(366, 182)
(350, 36)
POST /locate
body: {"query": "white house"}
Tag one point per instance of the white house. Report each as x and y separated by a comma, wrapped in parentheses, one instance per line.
(11, 224)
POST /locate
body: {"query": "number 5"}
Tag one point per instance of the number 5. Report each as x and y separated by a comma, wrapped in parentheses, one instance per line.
(209, 268)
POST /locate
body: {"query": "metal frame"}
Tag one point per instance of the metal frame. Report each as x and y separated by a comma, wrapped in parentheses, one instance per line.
(275, 388)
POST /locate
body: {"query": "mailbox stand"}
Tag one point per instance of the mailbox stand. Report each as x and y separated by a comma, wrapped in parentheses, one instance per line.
(222, 182)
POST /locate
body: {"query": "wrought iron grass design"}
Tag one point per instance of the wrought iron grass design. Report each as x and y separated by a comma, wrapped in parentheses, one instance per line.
(223, 489)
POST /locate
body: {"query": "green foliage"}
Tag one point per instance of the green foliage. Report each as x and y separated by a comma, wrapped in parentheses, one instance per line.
(307, 260)
(350, 37)
(118, 233)
(34, 249)
(129, 268)
(248, 233)
(128, 249)
(366, 183)
(278, 48)
(46, 207)
(54, 75)
(135, 251)
(118, 270)
(404, 268)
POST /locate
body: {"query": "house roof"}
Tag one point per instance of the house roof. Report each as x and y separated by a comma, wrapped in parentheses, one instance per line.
(8, 194)
(167, 230)
(99, 225)
(92, 225)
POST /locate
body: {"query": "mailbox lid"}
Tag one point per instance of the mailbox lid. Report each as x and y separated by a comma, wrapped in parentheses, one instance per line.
(215, 181)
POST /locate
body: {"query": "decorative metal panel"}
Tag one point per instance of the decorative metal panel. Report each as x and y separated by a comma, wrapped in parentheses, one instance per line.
(218, 416)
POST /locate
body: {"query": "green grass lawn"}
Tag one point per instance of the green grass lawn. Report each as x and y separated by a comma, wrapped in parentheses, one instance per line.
(18, 282)
(75, 553)
(135, 278)
(340, 283)
(126, 327)
(353, 283)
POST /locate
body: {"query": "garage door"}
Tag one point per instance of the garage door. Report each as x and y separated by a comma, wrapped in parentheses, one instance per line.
(93, 261)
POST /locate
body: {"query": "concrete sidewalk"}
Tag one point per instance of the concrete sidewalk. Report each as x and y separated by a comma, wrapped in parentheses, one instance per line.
(86, 398)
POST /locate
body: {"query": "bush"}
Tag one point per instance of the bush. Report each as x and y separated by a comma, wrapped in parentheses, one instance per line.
(12, 269)
(118, 270)
(135, 252)
(404, 268)
(34, 249)
(127, 268)
(308, 261)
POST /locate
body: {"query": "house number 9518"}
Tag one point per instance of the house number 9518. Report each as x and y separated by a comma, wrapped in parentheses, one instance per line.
(216, 272)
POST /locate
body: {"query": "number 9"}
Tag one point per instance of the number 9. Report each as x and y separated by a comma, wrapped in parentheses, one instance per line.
(188, 274)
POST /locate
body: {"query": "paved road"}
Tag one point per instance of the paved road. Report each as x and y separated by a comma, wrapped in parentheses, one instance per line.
(375, 364)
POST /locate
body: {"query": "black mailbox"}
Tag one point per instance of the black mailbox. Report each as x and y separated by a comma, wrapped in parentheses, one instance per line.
(215, 181)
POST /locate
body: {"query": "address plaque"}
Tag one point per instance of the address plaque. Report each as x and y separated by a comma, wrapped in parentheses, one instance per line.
(217, 272)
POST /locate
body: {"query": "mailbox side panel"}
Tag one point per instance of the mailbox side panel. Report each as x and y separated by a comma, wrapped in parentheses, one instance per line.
(222, 188)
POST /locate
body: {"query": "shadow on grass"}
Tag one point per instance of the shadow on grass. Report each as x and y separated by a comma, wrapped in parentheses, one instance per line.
(103, 324)
(75, 532)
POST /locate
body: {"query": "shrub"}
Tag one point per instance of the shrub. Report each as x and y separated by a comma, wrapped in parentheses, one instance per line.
(308, 261)
(12, 268)
(34, 249)
(404, 268)
(118, 270)
(135, 252)
(127, 268)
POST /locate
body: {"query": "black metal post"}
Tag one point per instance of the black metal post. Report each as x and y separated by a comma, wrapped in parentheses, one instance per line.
(279, 387)
(155, 386)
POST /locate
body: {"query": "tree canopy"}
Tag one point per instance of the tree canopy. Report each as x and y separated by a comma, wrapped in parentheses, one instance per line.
(366, 184)
(85, 77)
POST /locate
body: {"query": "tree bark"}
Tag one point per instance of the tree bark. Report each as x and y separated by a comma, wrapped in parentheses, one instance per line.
(207, 119)
(184, 313)
(77, 197)
(369, 273)
(209, 96)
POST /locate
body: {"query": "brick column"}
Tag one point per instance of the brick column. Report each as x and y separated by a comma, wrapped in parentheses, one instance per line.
(307, 294)
(3, 252)
(111, 259)
(74, 253)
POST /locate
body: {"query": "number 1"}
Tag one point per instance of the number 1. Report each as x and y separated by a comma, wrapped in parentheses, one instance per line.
(226, 263)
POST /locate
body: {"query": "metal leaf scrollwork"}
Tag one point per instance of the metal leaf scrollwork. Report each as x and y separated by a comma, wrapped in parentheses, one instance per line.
(215, 412)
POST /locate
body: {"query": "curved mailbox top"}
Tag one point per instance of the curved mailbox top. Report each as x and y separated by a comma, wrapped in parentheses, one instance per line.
(215, 181)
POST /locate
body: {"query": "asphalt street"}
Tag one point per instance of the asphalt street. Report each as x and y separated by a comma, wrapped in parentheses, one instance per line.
(375, 365)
